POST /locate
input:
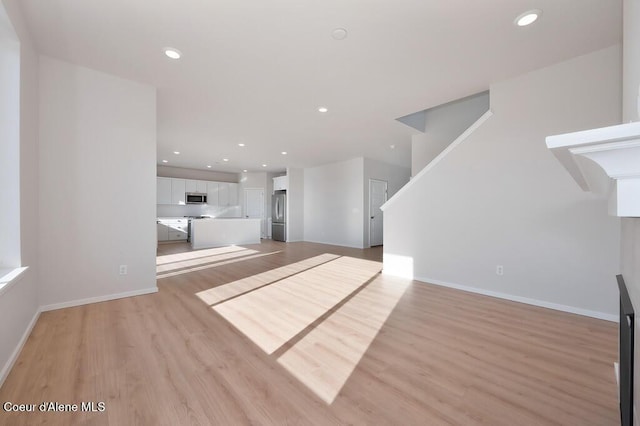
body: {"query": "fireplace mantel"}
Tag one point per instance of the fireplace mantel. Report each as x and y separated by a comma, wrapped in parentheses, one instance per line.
(616, 149)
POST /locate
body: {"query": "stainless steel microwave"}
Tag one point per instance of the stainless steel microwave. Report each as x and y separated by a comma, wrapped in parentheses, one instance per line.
(195, 198)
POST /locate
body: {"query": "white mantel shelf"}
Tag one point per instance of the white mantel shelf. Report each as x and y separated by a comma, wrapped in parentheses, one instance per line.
(616, 149)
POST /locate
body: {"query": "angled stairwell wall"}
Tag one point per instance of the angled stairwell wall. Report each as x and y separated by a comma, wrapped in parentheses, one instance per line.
(499, 197)
(442, 125)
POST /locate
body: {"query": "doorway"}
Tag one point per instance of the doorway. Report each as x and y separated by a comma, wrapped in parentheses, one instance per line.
(377, 197)
(254, 207)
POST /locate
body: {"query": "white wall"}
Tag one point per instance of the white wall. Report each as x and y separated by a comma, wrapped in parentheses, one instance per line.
(630, 249)
(295, 205)
(395, 176)
(182, 173)
(501, 198)
(97, 185)
(10, 143)
(443, 124)
(19, 304)
(631, 62)
(333, 203)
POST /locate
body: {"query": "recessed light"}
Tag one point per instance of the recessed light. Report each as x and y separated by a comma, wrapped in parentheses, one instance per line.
(225, 159)
(322, 109)
(209, 166)
(392, 146)
(172, 53)
(165, 161)
(284, 153)
(240, 144)
(245, 170)
(176, 152)
(528, 17)
(264, 165)
(339, 34)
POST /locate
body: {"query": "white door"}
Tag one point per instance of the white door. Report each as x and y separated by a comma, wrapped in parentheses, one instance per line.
(377, 197)
(254, 207)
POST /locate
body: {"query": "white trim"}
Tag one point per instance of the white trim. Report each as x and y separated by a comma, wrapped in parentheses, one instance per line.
(330, 244)
(14, 355)
(97, 299)
(10, 277)
(386, 189)
(484, 117)
(520, 299)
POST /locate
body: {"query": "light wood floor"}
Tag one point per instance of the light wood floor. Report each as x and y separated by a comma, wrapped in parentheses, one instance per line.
(310, 334)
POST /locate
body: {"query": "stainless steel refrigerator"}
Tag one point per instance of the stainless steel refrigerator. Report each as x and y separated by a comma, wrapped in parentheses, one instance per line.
(279, 216)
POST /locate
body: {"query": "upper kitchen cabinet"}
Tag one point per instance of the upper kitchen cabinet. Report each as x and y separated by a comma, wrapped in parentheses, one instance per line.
(212, 193)
(227, 194)
(199, 186)
(163, 190)
(223, 194)
(233, 194)
(178, 190)
(281, 183)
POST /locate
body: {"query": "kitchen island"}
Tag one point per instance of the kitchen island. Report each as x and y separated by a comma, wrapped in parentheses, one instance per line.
(215, 232)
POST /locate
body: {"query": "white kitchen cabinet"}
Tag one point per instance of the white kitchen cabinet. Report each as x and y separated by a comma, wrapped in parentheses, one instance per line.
(178, 189)
(281, 183)
(233, 194)
(212, 193)
(201, 186)
(172, 229)
(172, 191)
(163, 231)
(163, 190)
(223, 194)
(190, 185)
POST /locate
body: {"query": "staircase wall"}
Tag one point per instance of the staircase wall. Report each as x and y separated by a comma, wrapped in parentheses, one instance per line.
(501, 198)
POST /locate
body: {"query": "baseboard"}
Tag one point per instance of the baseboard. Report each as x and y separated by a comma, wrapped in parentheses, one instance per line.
(526, 300)
(14, 356)
(333, 244)
(105, 298)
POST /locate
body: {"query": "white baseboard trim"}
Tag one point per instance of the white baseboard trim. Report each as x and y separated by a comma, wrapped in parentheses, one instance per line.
(97, 299)
(14, 356)
(16, 352)
(526, 300)
(333, 244)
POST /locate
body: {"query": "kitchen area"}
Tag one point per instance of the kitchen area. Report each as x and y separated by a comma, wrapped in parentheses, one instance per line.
(208, 213)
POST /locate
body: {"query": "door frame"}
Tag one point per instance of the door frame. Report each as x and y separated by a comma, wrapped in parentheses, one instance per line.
(386, 191)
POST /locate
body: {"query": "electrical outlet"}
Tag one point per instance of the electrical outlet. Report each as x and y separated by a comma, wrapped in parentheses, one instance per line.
(499, 270)
(123, 269)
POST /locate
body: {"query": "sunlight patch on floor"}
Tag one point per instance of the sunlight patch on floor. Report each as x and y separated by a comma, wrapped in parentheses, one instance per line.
(272, 315)
(194, 254)
(172, 266)
(215, 265)
(226, 291)
(325, 358)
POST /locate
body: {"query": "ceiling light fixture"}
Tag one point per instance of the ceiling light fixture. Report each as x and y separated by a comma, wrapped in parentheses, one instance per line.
(240, 144)
(172, 53)
(322, 109)
(176, 152)
(339, 34)
(264, 165)
(392, 146)
(209, 166)
(225, 159)
(165, 161)
(284, 152)
(528, 17)
(245, 170)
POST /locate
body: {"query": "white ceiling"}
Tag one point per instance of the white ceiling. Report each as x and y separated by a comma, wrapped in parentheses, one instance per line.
(255, 71)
